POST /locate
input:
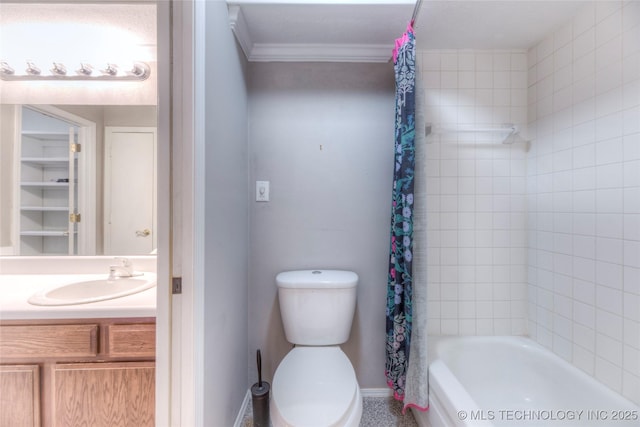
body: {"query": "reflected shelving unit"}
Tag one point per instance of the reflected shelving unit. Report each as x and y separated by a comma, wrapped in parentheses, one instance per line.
(47, 195)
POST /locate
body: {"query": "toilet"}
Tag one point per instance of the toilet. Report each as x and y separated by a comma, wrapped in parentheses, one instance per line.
(315, 384)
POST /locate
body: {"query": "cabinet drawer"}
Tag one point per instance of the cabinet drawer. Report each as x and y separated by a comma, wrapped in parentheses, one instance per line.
(134, 340)
(48, 341)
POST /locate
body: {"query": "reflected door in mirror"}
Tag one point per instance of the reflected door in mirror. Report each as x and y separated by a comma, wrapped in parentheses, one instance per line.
(130, 190)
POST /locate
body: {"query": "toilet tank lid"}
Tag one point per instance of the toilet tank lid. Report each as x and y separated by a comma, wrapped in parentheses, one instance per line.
(317, 279)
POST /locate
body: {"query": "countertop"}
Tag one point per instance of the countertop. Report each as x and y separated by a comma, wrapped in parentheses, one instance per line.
(15, 289)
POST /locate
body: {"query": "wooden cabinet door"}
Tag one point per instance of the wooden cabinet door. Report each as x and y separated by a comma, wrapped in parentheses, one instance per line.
(104, 394)
(19, 396)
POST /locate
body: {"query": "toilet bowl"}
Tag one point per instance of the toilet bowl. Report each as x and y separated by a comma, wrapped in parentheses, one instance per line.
(316, 387)
(315, 384)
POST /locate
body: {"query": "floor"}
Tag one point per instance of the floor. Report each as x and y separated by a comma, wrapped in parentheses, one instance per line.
(377, 412)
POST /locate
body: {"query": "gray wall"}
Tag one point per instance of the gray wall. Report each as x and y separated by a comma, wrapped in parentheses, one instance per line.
(7, 136)
(226, 231)
(322, 134)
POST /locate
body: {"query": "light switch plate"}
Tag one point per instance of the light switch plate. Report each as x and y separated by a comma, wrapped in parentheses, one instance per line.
(262, 191)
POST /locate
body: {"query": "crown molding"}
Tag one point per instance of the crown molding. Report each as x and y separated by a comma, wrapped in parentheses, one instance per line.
(299, 52)
(240, 29)
(262, 52)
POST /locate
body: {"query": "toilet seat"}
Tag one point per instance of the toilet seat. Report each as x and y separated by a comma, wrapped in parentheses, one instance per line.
(315, 387)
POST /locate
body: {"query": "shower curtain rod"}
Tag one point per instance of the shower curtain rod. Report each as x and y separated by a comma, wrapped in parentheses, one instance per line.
(416, 9)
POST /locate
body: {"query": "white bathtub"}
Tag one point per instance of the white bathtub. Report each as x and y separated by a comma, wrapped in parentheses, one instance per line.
(512, 381)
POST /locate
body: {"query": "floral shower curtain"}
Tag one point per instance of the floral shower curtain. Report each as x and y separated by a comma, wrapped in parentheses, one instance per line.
(400, 286)
(407, 291)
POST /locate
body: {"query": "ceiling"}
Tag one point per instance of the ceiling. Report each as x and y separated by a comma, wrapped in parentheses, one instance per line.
(81, 32)
(364, 30)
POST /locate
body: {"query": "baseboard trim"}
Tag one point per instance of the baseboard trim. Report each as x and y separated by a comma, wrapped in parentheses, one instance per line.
(243, 409)
(366, 392)
(376, 392)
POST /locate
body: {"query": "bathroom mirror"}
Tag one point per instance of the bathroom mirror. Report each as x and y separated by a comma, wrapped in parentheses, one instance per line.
(70, 82)
(100, 200)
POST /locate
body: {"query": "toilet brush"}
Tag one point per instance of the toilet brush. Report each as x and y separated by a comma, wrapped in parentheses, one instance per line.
(260, 397)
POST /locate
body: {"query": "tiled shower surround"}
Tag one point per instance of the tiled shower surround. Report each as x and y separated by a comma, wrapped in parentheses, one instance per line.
(542, 239)
(476, 192)
(583, 182)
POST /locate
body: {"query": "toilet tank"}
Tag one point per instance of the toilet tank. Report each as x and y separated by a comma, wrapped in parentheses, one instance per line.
(317, 306)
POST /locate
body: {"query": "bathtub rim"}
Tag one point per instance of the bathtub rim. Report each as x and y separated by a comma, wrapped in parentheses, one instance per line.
(441, 416)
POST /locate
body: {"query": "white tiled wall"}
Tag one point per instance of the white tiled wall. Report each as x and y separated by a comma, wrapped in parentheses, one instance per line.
(475, 192)
(584, 193)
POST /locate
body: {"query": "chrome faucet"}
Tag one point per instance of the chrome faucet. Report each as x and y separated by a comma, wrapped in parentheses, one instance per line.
(121, 269)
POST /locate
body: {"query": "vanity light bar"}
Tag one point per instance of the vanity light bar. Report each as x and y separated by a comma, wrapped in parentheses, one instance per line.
(58, 71)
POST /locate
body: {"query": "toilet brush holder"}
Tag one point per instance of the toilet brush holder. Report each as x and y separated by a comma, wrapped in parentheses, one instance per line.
(260, 398)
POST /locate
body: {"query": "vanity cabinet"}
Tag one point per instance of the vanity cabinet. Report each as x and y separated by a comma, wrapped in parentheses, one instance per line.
(94, 372)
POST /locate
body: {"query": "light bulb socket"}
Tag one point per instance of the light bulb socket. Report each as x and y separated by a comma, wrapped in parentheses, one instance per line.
(32, 70)
(6, 69)
(59, 69)
(111, 70)
(85, 69)
(139, 70)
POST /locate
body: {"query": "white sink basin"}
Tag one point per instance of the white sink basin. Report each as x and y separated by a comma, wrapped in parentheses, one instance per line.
(93, 290)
